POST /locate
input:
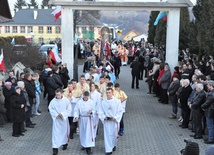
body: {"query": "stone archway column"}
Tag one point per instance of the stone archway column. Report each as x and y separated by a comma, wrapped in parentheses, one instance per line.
(172, 37)
(67, 21)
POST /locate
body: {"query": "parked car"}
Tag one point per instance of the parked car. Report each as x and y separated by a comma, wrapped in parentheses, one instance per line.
(43, 49)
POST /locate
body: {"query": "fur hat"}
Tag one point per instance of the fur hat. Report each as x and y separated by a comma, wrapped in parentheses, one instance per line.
(191, 148)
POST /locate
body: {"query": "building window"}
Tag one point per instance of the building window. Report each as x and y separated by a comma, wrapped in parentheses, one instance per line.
(58, 30)
(40, 29)
(49, 29)
(7, 29)
(83, 29)
(14, 29)
(30, 29)
(41, 40)
(91, 29)
(22, 29)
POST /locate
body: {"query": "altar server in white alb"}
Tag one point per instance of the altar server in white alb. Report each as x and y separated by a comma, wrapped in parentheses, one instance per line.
(60, 109)
(110, 113)
(83, 114)
(97, 98)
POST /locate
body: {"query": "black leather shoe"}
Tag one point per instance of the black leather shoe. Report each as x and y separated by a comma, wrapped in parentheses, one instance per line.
(55, 151)
(108, 153)
(180, 125)
(21, 134)
(33, 124)
(29, 126)
(184, 127)
(198, 137)
(192, 135)
(83, 148)
(114, 149)
(88, 151)
(64, 147)
(15, 135)
(137, 87)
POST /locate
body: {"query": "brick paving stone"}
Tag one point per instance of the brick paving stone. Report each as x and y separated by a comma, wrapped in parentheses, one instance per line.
(148, 130)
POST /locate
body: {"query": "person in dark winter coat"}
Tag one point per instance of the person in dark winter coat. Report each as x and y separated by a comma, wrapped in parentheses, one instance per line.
(7, 91)
(165, 82)
(183, 99)
(135, 65)
(18, 111)
(116, 63)
(197, 112)
(64, 74)
(174, 86)
(57, 77)
(51, 86)
(30, 88)
(208, 107)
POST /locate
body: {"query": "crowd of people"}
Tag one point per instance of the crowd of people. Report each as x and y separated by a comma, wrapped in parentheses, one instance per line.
(97, 96)
(83, 104)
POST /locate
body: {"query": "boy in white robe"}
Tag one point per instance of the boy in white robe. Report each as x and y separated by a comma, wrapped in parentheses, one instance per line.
(83, 114)
(110, 113)
(60, 108)
(97, 98)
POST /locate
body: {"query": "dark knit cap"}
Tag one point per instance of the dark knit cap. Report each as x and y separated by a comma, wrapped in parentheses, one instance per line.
(176, 68)
(191, 148)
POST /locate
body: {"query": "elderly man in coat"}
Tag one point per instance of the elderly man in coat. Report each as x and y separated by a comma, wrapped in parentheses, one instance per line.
(197, 112)
(174, 86)
(208, 107)
(165, 82)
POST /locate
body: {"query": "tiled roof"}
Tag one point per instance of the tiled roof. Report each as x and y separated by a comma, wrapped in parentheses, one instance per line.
(44, 17)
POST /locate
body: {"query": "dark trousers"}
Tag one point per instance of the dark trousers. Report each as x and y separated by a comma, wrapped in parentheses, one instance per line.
(117, 71)
(141, 73)
(8, 114)
(197, 123)
(133, 80)
(17, 128)
(50, 97)
(185, 115)
(27, 117)
(121, 122)
(164, 96)
(73, 125)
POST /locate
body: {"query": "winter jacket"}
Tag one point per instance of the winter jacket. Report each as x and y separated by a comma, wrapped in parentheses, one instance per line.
(198, 100)
(173, 87)
(17, 113)
(208, 106)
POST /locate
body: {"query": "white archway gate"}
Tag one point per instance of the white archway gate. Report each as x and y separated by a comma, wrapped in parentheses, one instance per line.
(173, 21)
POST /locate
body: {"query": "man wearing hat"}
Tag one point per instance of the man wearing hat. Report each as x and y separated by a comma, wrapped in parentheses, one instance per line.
(191, 148)
(209, 112)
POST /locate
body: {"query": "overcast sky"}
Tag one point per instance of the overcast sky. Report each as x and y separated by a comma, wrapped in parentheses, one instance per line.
(11, 2)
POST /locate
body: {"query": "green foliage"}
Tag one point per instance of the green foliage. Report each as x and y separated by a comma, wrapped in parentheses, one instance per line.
(20, 3)
(203, 12)
(45, 3)
(160, 33)
(184, 28)
(33, 3)
(152, 28)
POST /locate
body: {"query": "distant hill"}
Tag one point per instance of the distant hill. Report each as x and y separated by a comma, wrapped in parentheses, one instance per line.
(127, 20)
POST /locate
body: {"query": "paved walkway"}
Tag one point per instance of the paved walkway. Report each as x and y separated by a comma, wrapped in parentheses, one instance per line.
(148, 131)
